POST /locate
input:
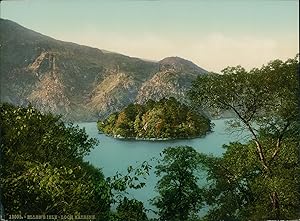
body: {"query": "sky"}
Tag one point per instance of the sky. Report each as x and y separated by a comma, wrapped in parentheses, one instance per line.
(213, 34)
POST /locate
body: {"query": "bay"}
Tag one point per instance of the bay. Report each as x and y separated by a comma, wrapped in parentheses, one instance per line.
(113, 155)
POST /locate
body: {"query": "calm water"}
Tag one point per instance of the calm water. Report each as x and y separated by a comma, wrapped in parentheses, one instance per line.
(114, 155)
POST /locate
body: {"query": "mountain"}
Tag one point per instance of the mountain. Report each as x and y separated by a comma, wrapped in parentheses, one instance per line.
(80, 82)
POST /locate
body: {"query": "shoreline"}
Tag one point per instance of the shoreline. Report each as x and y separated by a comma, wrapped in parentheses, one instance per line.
(153, 139)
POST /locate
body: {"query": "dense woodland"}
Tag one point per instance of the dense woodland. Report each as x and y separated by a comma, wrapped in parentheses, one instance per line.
(258, 180)
(166, 118)
(43, 171)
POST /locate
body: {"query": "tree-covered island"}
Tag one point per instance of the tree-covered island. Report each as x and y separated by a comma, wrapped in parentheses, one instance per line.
(164, 119)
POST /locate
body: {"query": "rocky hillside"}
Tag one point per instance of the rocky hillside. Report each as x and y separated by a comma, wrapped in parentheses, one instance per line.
(173, 78)
(80, 82)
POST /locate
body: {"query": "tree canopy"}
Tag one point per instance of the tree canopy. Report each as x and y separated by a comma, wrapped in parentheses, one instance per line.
(179, 193)
(256, 180)
(42, 169)
(166, 118)
(131, 209)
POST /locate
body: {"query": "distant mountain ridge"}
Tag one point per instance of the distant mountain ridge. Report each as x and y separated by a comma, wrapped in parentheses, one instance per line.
(80, 82)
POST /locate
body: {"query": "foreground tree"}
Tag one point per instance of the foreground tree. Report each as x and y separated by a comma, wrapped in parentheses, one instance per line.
(43, 172)
(265, 103)
(42, 169)
(131, 209)
(179, 194)
(239, 190)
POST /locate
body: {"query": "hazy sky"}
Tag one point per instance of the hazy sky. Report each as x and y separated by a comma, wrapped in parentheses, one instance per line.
(212, 33)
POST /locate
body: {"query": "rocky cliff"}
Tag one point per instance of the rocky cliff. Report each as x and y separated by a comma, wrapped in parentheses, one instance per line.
(80, 82)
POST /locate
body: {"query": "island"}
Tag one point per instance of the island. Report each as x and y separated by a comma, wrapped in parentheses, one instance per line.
(155, 120)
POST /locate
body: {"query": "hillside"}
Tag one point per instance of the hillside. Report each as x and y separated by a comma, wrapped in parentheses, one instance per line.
(83, 83)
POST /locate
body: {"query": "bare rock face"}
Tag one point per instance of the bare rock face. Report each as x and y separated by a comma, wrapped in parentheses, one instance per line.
(173, 79)
(49, 93)
(79, 82)
(112, 93)
(162, 84)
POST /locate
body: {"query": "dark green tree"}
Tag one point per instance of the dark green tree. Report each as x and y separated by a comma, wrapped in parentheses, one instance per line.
(179, 194)
(43, 171)
(166, 118)
(131, 210)
(265, 103)
(239, 190)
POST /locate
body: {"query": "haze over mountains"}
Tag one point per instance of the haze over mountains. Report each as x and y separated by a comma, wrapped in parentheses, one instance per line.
(83, 83)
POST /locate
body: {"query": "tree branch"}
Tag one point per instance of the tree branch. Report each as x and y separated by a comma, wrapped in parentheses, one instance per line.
(259, 147)
(278, 142)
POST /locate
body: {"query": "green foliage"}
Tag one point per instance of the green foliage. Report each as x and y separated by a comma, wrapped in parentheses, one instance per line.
(166, 118)
(266, 96)
(43, 171)
(131, 209)
(257, 180)
(239, 190)
(179, 194)
(133, 179)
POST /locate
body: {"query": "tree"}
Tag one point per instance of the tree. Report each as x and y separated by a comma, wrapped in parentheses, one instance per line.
(264, 102)
(131, 210)
(239, 190)
(179, 194)
(166, 118)
(43, 171)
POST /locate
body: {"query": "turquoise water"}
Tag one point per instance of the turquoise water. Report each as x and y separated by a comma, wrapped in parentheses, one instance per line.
(114, 155)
